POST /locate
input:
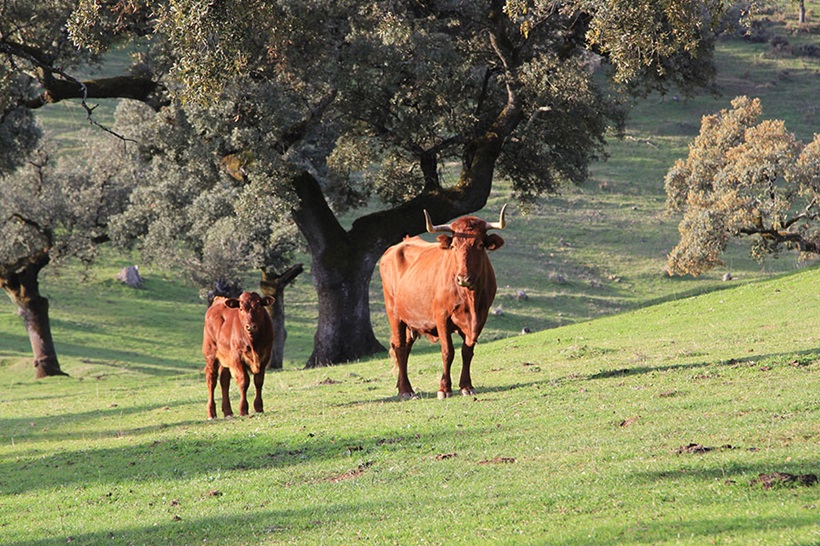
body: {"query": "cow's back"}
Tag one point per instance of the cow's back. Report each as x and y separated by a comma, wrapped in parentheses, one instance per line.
(413, 276)
(219, 319)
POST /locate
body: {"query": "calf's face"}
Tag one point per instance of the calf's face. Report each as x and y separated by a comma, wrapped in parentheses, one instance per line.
(250, 306)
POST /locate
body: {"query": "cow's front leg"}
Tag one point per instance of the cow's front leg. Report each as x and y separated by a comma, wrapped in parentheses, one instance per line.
(225, 383)
(258, 381)
(211, 374)
(466, 382)
(445, 389)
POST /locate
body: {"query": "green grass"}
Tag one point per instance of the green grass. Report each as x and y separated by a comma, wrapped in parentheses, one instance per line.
(572, 438)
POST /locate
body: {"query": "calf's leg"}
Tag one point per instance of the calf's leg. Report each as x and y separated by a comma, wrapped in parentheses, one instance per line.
(211, 373)
(243, 382)
(258, 381)
(225, 383)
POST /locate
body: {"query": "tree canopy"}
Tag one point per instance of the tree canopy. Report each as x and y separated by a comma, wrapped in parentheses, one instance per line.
(327, 106)
(744, 178)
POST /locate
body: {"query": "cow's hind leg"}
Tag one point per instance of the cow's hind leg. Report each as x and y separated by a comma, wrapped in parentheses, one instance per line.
(211, 374)
(466, 382)
(225, 383)
(258, 381)
(400, 343)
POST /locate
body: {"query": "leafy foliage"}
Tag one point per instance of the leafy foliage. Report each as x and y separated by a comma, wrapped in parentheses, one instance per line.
(414, 83)
(744, 178)
(193, 210)
(60, 207)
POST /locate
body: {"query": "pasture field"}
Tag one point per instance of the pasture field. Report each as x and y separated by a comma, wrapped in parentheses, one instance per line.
(639, 411)
(647, 427)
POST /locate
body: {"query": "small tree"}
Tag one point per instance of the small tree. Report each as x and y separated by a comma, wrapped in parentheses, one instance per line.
(50, 212)
(196, 212)
(744, 179)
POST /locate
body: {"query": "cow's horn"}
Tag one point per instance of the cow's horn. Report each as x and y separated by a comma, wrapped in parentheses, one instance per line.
(501, 221)
(435, 229)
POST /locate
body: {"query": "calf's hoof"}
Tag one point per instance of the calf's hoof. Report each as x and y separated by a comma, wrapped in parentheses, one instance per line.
(468, 391)
(444, 394)
(408, 395)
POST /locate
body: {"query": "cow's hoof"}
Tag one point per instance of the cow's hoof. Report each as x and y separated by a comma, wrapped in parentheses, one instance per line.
(468, 392)
(444, 394)
(408, 395)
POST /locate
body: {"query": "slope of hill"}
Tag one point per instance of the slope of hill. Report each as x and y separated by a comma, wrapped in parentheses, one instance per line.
(677, 423)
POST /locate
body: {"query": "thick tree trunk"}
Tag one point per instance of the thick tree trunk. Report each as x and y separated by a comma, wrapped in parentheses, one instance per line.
(343, 261)
(22, 286)
(341, 268)
(274, 285)
(344, 331)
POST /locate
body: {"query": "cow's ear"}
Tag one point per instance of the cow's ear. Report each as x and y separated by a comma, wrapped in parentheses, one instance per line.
(444, 240)
(233, 303)
(267, 300)
(493, 242)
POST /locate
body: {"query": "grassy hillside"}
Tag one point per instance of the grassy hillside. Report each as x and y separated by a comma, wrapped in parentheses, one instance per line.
(642, 410)
(646, 427)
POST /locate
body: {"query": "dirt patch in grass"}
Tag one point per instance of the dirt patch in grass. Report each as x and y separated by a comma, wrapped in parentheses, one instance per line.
(629, 421)
(778, 479)
(700, 448)
(350, 474)
(498, 460)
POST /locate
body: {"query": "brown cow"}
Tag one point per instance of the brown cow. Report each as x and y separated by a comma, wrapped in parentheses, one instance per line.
(436, 289)
(237, 340)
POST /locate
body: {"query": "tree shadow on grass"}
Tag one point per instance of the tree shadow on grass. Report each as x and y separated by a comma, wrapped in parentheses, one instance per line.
(49, 428)
(729, 528)
(171, 458)
(433, 394)
(262, 525)
(801, 357)
(129, 360)
(713, 468)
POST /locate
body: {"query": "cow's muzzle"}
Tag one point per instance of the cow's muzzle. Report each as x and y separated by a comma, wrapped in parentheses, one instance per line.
(465, 281)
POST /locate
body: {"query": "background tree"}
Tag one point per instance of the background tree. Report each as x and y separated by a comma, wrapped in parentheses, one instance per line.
(194, 210)
(744, 178)
(369, 102)
(49, 212)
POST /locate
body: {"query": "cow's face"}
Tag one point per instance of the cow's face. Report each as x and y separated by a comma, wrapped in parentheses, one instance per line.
(251, 306)
(469, 244)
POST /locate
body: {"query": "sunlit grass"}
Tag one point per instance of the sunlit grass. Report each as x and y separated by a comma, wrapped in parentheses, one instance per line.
(572, 439)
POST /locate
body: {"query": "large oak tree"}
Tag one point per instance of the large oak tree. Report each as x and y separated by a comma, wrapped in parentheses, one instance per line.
(49, 213)
(377, 98)
(335, 104)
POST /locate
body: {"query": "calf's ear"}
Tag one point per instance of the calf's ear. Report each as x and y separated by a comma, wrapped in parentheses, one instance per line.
(267, 300)
(444, 240)
(233, 303)
(493, 242)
